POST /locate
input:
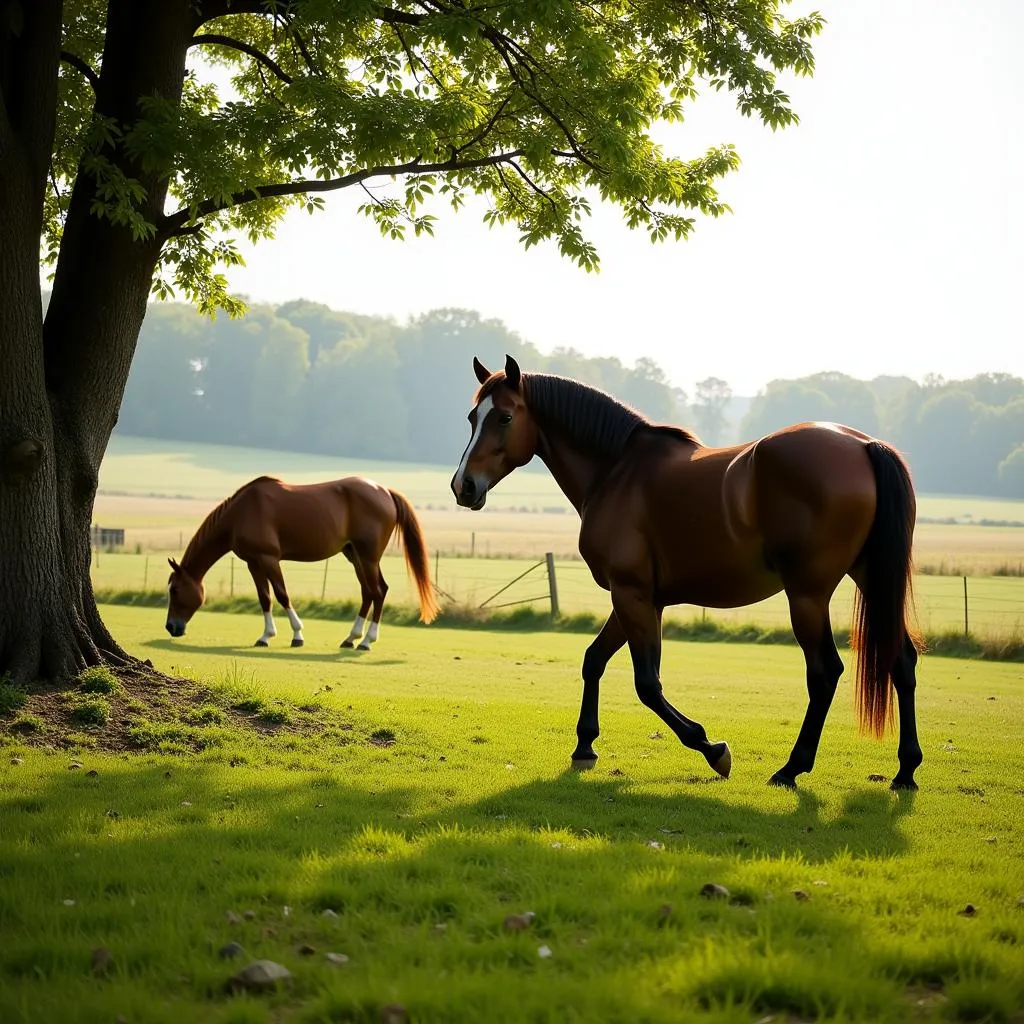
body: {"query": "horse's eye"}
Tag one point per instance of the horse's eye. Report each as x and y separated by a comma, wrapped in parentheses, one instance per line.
(505, 418)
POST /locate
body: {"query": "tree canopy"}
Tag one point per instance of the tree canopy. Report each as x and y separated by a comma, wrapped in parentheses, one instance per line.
(540, 105)
(140, 141)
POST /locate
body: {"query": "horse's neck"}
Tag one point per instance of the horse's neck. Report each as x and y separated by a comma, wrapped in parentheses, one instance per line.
(201, 556)
(576, 472)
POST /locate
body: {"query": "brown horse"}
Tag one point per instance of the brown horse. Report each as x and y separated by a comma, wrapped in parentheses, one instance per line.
(666, 520)
(266, 521)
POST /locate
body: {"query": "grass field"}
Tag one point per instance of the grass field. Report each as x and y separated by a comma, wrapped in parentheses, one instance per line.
(995, 605)
(421, 793)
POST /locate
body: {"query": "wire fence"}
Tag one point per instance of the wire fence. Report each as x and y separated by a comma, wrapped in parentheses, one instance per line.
(979, 605)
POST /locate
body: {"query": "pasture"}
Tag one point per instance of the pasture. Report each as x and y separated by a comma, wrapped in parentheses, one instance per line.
(421, 794)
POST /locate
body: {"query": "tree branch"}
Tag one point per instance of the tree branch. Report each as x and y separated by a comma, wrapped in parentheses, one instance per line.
(80, 65)
(236, 44)
(172, 225)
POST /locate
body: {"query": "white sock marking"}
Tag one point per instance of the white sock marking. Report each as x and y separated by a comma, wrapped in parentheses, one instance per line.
(373, 632)
(269, 629)
(357, 628)
(482, 410)
(296, 622)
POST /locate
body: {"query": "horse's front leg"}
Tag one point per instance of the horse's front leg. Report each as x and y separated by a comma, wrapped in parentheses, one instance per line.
(259, 577)
(276, 577)
(641, 623)
(599, 653)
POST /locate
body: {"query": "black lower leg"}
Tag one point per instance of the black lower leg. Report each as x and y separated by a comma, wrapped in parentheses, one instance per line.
(599, 653)
(904, 677)
(824, 667)
(691, 734)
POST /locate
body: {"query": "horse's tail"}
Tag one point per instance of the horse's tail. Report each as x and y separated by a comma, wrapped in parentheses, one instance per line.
(416, 557)
(886, 592)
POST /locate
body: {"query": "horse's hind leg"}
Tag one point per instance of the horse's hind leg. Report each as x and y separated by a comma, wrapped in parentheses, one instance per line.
(379, 591)
(366, 598)
(813, 631)
(595, 661)
(904, 680)
(641, 622)
(259, 577)
(276, 578)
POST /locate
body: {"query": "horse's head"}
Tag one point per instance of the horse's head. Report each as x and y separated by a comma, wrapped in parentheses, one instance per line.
(504, 434)
(184, 598)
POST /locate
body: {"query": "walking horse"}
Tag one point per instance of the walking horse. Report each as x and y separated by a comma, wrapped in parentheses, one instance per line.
(666, 520)
(266, 521)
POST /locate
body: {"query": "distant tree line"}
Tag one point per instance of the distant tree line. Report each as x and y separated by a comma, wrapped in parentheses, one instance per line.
(960, 436)
(305, 377)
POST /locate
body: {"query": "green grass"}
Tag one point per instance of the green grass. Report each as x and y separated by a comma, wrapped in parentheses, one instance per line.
(424, 796)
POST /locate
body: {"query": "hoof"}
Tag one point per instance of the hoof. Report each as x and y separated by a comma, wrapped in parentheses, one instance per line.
(261, 643)
(899, 785)
(723, 765)
(297, 641)
(778, 779)
(363, 647)
(347, 643)
(584, 764)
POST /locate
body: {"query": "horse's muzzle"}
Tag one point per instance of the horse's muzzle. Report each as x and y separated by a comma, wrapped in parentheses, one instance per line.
(175, 627)
(471, 494)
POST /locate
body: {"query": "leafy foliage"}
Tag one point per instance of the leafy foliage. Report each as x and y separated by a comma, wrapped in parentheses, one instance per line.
(541, 106)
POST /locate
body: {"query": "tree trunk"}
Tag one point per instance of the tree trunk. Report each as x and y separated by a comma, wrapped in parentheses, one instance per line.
(62, 380)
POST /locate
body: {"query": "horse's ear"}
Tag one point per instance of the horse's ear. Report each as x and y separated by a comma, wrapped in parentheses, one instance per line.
(174, 565)
(481, 371)
(512, 373)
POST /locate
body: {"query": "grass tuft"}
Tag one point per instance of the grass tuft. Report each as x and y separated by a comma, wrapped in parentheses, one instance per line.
(99, 679)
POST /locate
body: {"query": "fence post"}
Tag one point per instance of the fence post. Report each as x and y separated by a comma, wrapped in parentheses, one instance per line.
(437, 566)
(967, 631)
(323, 586)
(145, 573)
(472, 545)
(552, 583)
(232, 576)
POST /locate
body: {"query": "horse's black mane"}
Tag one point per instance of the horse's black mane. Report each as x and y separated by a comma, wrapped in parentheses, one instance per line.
(594, 419)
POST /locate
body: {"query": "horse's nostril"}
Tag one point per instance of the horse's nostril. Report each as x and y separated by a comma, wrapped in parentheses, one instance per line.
(468, 487)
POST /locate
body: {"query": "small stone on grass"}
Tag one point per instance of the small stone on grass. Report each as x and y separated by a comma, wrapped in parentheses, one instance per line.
(230, 951)
(336, 958)
(712, 890)
(259, 976)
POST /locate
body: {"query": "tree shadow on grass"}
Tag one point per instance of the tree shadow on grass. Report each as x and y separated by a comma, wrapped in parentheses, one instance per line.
(421, 881)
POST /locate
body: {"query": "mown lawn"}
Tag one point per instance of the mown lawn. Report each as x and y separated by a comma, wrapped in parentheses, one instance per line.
(424, 797)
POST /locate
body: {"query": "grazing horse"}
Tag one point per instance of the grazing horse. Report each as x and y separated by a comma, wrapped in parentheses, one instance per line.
(666, 520)
(266, 521)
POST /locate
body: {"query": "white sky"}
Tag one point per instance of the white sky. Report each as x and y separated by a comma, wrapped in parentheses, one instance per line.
(883, 234)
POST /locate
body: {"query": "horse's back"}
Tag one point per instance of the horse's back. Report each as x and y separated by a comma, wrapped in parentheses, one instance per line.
(310, 522)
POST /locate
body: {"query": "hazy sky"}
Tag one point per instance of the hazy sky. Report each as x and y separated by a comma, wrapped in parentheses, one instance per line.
(883, 234)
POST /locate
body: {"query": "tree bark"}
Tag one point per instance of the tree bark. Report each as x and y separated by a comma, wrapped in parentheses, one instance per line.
(62, 379)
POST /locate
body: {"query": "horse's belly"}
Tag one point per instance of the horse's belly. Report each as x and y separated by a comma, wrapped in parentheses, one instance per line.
(724, 588)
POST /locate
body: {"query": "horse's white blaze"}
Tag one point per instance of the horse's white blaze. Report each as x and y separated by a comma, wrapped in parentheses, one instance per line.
(269, 629)
(357, 628)
(482, 410)
(296, 622)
